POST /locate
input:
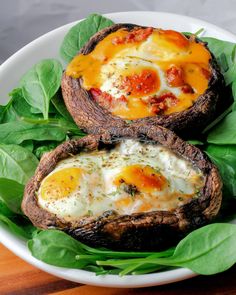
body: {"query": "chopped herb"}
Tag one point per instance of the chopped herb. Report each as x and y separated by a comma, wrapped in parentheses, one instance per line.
(128, 121)
(130, 189)
(113, 193)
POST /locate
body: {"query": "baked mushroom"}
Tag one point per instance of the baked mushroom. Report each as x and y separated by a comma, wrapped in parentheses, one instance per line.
(141, 189)
(142, 75)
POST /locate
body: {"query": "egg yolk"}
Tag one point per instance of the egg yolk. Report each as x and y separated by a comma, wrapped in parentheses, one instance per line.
(143, 178)
(174, 37)
(61, 183)
(140, 84)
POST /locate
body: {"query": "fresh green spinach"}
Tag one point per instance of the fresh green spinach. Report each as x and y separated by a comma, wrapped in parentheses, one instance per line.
(16, 229)
(224, 52)
(79, 34)
(225, 132)
(208, 250)
(16, 108)
(56, 248)
(17, 132)
(219, 47)
(59, 104)
(41, 83)
(46, 147)
(16, 163)
(195, 142)
(224, 158)
(198, 251)
(28, 144)
(60, 123)
(4, 210)
(11, 192)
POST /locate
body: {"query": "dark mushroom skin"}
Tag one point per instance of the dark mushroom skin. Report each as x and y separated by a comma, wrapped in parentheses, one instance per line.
(154, 230)
(93, 119)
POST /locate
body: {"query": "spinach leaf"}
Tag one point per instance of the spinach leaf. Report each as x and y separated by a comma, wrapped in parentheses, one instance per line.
(225, 160)
(230, 74)
(218, 119)
(16, 107)
(11, 192)
(2, 110)
(195, 142)
(34, 111)
(4, 210)
(60, 123)
(19, 105)
(79, 34)
(17, 132)
(218, 47)
(224, 52)
(225, 132)
(16, 229)
(40, 150)
(16, 163)
(234, 92)
(54, 129)
(41, 83)
(208, 250)
(59, 104)
(56, 248)
(28, 144)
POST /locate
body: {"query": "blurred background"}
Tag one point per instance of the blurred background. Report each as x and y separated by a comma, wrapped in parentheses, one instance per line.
(21, 21)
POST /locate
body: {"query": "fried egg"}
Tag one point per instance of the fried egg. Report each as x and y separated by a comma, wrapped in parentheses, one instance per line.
(130, 178)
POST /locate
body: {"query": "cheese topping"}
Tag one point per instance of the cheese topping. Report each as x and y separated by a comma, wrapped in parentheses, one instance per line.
(144, 72)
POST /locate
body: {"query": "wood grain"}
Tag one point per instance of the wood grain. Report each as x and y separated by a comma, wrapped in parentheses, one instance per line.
(19, 278)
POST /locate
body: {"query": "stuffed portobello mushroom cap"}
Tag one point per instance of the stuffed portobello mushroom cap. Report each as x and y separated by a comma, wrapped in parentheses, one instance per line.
(130, 223)
(182, 95)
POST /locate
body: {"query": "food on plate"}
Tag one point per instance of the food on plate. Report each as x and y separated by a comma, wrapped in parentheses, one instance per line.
(142, 75)
(143, 188)
(35, 121)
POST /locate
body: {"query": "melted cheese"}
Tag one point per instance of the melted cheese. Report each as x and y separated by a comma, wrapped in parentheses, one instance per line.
(131, 178)
(109, 64)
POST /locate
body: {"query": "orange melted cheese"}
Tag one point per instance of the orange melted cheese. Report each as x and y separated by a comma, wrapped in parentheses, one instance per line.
(89, 66)
(144, 77)
(135, 108)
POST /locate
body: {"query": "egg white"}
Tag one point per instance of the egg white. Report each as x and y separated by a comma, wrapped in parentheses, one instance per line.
(97, 193)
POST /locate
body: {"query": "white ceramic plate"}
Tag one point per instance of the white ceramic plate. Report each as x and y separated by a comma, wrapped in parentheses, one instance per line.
(47, 46)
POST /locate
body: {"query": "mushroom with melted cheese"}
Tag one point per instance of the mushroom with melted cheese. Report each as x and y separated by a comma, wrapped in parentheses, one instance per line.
(133, 74)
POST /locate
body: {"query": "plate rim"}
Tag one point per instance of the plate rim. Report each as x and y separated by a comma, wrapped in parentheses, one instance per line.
(10, 240)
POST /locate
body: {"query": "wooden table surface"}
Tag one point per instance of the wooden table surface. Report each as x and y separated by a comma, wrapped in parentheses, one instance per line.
(20, 278)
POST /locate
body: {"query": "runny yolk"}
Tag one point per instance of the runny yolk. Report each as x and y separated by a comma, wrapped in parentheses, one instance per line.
(144, 178)
(60, 184)
(138, 85)
(175, 37)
